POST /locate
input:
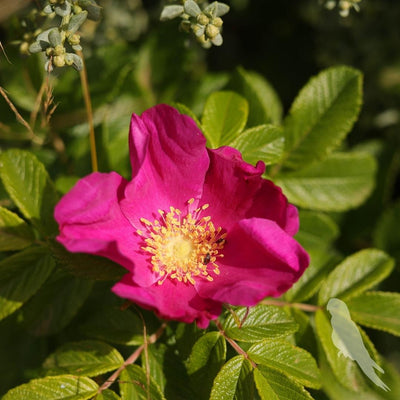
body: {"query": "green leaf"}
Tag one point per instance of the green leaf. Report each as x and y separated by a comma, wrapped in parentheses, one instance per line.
(29, 186)
(55, 304)
(356, 274)
(378, 310)
(64, 387)
(206, 359)
(344, 369)
(264, 142)
(322, 261)
(186, 111)
(288, 359)
(224, 117)
(107, 395)
(15, 233)
(261, 322)
(317, 230)
(134, 385)
(85, 358)
(273, 385)
(21, 275)
(338, 183)
(265, 105)
(322, 115)
(114, 325)
(234, 381)
(87, 266)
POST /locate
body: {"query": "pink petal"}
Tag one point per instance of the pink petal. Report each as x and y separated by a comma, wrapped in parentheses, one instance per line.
(260, 259)
(236, 190)
(169, 163)
(171, 300)
(91, 221)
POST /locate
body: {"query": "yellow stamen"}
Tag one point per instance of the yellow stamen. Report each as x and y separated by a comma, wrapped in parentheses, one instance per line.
(183, 248)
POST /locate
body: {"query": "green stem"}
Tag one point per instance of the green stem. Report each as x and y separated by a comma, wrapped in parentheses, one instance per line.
(89, 112)
(300, 306)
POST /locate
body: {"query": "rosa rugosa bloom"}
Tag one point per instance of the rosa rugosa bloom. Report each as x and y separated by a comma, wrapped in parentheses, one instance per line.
(194, 227)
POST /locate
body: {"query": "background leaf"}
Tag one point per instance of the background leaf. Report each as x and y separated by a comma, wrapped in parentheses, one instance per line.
(21, 275)
(64, 387)
(114, 325)
(85, 358)
(378, 310)
(224, 117)
(265, 105)
(356, 274)
(234, 381)
(321, 115)
(338, 183)
(29, 186)
(261, 322)
(55, 304)
(15, 233)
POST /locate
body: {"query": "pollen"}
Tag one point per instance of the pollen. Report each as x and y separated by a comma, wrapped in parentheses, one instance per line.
(183, 248)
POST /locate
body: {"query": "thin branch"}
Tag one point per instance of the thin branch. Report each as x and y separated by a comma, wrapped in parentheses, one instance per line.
(236, 347)
(300, 306)
(4, 52)
(132, 358)
(20, 119)
(89, 111)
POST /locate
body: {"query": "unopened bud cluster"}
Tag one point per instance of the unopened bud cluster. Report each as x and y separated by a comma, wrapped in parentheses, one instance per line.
(344, 6)
(60, 43)
(201, 19)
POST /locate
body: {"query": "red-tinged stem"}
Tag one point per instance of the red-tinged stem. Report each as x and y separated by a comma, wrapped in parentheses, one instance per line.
(236, 347)
(132, 358)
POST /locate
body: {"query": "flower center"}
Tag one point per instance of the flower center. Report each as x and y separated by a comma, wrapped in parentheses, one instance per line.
(183, 248)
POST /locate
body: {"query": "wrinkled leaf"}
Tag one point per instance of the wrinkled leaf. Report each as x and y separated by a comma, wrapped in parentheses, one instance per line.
(85, 358)
(288, 359)
(378, 310)
(134, 385)
(356, 274)
(261, 322)
(64, 387)
(234, 381)
(322, 115)
(273, 385)
(206, 359)
(338, 183)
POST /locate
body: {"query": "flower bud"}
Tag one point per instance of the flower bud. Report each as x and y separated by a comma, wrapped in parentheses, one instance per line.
(217, 22)
(59, 61)
(212, 31)
(202, 19)
(59, 50)
(74, 39)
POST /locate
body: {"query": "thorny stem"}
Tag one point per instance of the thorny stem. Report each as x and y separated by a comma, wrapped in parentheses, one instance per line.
(132, 358)
(237, 348)
(300, 306)
(89, 111)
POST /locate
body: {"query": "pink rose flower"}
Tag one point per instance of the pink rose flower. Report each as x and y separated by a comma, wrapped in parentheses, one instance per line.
(194, 227)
